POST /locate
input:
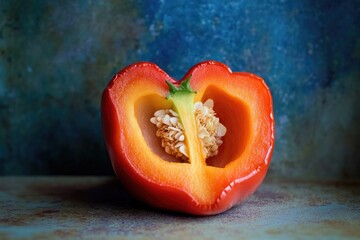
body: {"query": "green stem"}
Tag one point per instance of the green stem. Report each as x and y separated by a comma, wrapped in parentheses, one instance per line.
(184, 88)
(183, 99)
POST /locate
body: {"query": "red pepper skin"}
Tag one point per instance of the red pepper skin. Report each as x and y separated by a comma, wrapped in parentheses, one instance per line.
(230, 191)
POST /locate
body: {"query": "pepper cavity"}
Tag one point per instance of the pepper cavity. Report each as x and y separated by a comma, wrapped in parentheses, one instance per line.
(171, 131)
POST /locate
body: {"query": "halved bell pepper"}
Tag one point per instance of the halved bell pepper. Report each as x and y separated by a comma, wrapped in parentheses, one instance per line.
(199, 186)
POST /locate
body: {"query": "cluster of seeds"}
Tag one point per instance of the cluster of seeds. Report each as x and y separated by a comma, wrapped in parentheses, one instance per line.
(210, 130)
(171, 131)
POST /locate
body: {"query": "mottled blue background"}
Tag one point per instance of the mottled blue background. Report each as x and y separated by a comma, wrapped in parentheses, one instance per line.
(56, 57)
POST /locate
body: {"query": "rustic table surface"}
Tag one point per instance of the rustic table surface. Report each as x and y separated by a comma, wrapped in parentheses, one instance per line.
(99, 208)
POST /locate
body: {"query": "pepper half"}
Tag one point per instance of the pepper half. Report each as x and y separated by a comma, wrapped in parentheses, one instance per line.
(198, 185)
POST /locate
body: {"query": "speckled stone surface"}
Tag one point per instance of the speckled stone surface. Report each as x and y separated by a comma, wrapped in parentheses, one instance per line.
(98, 208)
(56, 57)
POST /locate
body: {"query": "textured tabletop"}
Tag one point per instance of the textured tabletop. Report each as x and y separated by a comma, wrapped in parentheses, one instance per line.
(98, 208)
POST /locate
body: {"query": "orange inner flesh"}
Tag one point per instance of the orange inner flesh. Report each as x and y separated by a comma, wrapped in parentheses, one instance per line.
(202, 181)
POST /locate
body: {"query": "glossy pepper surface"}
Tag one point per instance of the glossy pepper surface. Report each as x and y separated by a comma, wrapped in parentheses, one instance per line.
(199, 186)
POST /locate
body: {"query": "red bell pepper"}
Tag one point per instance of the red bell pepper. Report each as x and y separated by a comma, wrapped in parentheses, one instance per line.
(195, 184)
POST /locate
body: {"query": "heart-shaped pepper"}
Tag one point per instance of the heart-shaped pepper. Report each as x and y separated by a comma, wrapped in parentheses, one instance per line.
(200, 145)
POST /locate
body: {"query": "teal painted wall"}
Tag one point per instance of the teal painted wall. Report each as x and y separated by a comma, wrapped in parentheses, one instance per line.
(56, 57)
